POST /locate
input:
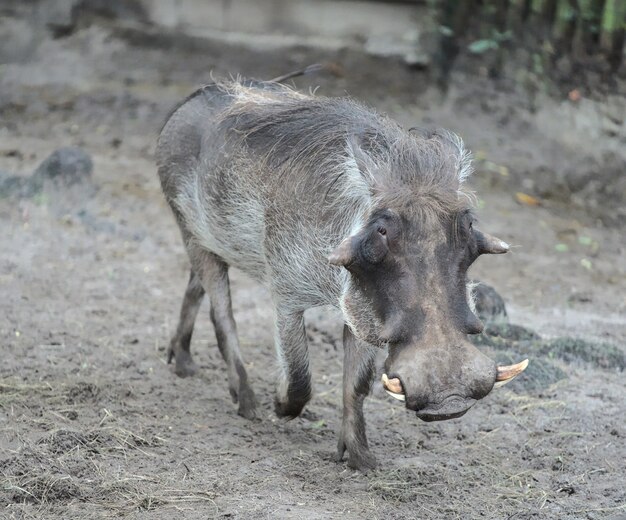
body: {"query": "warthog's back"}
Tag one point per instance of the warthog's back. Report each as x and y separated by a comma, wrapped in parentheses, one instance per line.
(269, 180)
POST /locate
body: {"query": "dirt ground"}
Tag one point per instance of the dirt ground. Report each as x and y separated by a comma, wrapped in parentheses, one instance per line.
(93, 422)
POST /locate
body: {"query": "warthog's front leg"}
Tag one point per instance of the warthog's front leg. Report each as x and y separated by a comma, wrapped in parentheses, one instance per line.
(358, 374)
(294, 388)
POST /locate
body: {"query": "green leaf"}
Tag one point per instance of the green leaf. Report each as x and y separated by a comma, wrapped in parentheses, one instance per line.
(318, 424)
(586, 263)
(562, 248)
(502, 36)
(481, 46)
(584, 241)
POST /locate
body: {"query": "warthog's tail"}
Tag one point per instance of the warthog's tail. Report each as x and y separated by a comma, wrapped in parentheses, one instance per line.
(333, 68)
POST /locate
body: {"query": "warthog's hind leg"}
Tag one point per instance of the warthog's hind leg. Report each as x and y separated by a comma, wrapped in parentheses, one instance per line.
(210, 273)
(214, 276)
(179, 345)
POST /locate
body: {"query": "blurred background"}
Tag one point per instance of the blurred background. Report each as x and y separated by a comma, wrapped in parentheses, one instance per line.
(92, 269)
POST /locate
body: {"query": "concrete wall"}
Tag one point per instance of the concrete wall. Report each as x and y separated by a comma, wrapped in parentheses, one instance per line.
(382, 28)
(325, 18)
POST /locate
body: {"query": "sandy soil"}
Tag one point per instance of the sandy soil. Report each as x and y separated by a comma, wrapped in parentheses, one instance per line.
(94, 424)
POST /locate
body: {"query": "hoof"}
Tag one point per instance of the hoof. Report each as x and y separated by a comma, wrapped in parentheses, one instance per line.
(290, 404)
(289, 409)
(363, 461)
(359, 457)
(247, 403)
(185, 367)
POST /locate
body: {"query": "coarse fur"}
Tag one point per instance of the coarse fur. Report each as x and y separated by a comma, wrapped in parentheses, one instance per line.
(272, 181)
(283, 146)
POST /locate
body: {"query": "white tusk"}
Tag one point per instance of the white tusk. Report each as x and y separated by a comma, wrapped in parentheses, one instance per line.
(399, 397)
(506, 374)
(392, 384)
(499, 384)
(395, 384)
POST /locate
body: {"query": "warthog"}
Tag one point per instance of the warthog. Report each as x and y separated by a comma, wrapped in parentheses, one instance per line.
(329, 203)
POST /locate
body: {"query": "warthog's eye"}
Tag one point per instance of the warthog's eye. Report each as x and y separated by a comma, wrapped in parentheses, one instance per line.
(382, 230)
(465, 226)
(469, 221)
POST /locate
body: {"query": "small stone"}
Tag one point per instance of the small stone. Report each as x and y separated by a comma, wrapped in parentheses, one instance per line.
(489, 304)
(67, 166)
(580, 297)
(11, 184)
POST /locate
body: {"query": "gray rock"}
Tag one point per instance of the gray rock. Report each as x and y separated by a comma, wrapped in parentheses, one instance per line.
(489, 304)
(64, 167)
(12, 184)
(58, 16)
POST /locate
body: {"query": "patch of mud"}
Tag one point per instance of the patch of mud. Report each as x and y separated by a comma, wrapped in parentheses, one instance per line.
(502, 333)
(506, 336)
(63, 173)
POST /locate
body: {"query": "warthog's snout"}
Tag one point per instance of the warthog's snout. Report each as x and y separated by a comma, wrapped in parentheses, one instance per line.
(440, 383)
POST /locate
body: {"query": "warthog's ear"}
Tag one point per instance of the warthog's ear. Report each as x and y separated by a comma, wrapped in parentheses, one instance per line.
(490, 245)
(344, 253)
(365, 248)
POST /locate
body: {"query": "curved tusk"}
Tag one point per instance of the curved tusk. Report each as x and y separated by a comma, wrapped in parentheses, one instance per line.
(399, 397)
(393, 385)
(506, 374)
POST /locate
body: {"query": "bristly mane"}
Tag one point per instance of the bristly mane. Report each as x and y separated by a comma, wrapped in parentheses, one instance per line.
(332, 140)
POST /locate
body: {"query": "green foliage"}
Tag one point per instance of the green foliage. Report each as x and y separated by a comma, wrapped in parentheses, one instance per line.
(481, 46)
(610, 17)
(545, 29)
(444, 30)
(487, 44)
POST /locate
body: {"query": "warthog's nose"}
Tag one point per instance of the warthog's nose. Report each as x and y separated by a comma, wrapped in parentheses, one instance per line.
(443, 384)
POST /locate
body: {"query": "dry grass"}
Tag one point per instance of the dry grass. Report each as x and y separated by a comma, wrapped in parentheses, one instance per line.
(69, 466)
(132, 494)
(123, 496)
(66, 467)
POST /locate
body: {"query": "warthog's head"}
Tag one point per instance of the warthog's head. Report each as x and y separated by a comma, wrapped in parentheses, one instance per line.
(407, 288)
